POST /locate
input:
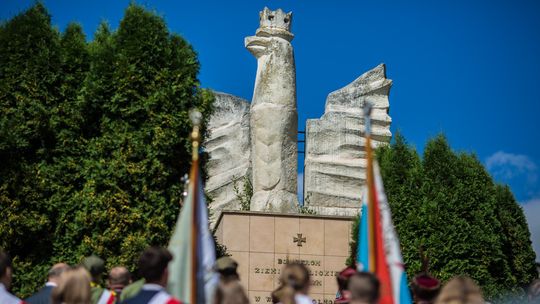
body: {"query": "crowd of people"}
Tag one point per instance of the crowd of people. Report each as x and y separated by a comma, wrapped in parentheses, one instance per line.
(82, 284)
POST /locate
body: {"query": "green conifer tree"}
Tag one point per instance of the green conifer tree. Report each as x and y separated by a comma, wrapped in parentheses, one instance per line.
(95, 138)
(30, 65)
(135, 158)
(402, 171)
(97, 89)
(447, 204)
(458, 225)
(516, 237)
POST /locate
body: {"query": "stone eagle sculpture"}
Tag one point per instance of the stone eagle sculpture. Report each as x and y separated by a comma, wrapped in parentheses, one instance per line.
(257, 143)
(274, 120)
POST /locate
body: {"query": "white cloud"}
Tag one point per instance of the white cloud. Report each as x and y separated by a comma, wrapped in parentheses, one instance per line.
(531, 209)
(508, 165)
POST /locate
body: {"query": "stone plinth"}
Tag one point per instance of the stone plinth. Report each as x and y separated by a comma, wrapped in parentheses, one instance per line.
(263, 243)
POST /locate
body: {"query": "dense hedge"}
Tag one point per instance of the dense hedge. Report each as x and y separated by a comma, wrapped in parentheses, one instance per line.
(93, 139)
(447, 203)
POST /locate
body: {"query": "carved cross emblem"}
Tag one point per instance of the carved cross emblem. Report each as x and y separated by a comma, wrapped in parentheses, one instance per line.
(299, 239)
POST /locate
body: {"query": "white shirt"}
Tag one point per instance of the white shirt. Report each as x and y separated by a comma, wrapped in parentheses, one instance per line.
(6, 297)
(162, 297)
(152, 286)
(53, 284)
(302, 299)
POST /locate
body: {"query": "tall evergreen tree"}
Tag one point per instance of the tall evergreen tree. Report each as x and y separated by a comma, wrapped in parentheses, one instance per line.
(402, 170)
(461, 233)
(516, 238)
(448, 204)
(30, 78)
(30, 69)
(135, 158)
(94, 137)
(66, 119)
(98, 87)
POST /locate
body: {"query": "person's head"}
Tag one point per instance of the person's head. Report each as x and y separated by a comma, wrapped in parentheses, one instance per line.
(296, 275)
(226, 267)
(231, 293)
(73, 287)
(342, 279)
(425, 288)
(460, 290)
(6, 269)
(533, 292)
(153, 265)
(344, 276)
(119, 277)
(56, 270)
(364, 288)
(284, 294)
(95, 266)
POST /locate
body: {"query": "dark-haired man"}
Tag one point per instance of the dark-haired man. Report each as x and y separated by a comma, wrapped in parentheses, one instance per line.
(364, 288)
(43, 296)
(6, 270)
(153, 268)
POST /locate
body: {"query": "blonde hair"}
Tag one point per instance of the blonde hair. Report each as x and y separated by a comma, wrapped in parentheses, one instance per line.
(73, 287)
(294, 279)
(283, 294)
(295, 275)
(460, 290)
(231, 293)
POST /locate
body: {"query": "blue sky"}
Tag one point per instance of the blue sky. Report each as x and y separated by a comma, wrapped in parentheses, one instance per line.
(469, 69)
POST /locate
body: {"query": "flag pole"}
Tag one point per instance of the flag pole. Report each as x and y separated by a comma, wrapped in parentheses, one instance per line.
(196, 118)
(384, 256)
(370, 182)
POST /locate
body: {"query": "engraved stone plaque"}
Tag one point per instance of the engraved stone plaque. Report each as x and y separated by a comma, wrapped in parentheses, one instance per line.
(263, 243)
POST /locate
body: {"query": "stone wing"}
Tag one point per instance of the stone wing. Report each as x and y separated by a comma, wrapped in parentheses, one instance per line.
(228, 146)
(335, 159)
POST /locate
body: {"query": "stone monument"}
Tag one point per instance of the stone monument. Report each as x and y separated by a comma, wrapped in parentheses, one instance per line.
(274, 120)
(257, 143)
